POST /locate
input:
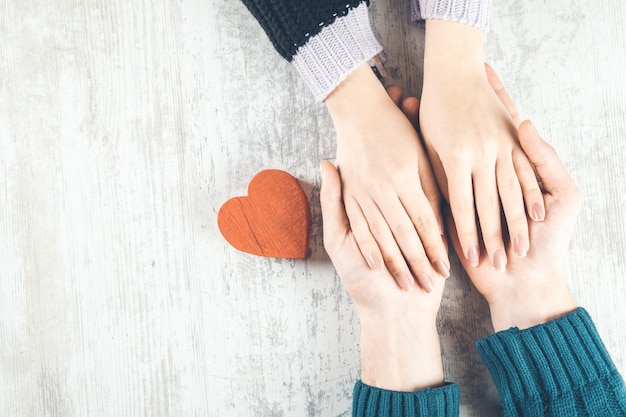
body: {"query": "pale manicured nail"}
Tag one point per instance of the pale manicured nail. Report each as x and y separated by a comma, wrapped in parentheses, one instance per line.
(441, 267)
(372, 261)
(472, 256)
(406, 282)
(426, 282)
(499, 260)
(521, 245)
(538, 213)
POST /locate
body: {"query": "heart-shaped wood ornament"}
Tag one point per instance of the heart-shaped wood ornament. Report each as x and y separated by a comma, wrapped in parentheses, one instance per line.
(271, 221)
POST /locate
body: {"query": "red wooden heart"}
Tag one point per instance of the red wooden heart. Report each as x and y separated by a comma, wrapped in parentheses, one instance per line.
(272, 221)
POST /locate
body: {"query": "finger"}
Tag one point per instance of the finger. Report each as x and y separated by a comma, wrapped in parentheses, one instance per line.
(513, 205)
(334, 218)
(551, 172)
(391, 253)
(431, 191)
(365, 241)
(498, 88)
(395, 93)
(462, 208)
(422, 214)
(454, 237)
(439, 173)
(408, 240)
(488, 208)
(531, 189)
(411, 109)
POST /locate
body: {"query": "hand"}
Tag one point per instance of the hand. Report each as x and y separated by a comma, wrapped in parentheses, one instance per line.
(389, 192)
(399, 342)
(472, 142)
(533, 290)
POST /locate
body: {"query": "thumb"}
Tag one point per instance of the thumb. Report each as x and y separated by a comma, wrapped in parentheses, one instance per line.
(550, 170)
(498, 88)
(334, 218)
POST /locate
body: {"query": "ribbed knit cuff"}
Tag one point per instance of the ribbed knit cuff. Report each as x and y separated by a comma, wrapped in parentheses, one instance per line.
(470, 12)
(375, 402)
(557, 368)
(328, 57)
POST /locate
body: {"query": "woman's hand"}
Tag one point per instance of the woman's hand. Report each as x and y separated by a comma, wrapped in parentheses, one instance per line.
(389, 192)
(471, 139)
(399, 341)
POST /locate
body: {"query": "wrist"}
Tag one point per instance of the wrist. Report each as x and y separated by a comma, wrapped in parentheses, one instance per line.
(358, 91)
(541, 304)
(452, 50)
(400, 353)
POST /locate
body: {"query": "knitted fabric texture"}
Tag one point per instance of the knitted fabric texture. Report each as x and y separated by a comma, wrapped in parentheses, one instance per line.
(290, 23)
(470, 12)
(327, 59)
(560, 368)
(375, 402)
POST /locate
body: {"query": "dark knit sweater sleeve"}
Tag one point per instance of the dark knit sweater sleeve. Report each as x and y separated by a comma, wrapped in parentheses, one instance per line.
(290, 23)
(560, 368)
(324, 40)
(369, 401)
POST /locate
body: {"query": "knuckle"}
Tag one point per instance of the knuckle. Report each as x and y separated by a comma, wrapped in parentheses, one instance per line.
(466, 235)
(424, 223)
(394, 264)
(377, 228)
(492, 236)
(433, 248)
(463, 207)
(403, 231)
(517, 221)
(532, 190)
(508, 183)
(488, 201)
(419, 266)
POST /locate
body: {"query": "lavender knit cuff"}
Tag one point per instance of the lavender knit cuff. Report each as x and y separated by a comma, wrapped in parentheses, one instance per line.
(470, 12)
(327, 58)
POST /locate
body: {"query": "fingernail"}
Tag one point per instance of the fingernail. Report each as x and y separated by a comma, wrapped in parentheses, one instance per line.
(407, 282)
(499, 260)
(371, 261)
(538, 212)
(426, 282)
(472, 256)
(441, 267)
(521, 245)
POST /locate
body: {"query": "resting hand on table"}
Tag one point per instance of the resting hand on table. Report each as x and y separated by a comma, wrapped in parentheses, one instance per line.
(399, 342)
(471, 139)
(389, 192)
(533, 290)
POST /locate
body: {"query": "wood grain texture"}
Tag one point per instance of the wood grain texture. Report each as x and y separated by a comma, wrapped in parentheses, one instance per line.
(125, 125)
(272, 220)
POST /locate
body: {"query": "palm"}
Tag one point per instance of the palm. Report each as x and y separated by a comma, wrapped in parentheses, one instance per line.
(548, 241)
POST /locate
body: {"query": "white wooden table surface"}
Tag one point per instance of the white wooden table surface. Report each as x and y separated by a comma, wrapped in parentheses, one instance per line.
(125, 125)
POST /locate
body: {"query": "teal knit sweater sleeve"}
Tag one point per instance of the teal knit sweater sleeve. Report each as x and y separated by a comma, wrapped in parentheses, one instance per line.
(560, 368)
(369, 401)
